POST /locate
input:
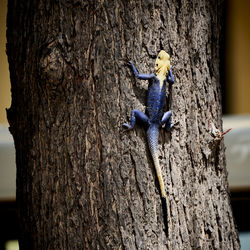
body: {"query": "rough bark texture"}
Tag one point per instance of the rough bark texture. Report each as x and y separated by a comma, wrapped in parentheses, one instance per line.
(82, 182)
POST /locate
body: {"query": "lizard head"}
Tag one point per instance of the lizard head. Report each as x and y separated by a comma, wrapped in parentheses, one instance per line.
(162, 63)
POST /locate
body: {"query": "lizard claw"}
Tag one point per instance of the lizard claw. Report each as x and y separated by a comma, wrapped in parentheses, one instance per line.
(168, 127)
(129, 64)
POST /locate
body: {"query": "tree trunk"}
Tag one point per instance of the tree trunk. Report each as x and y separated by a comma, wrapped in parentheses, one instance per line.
(84, 183)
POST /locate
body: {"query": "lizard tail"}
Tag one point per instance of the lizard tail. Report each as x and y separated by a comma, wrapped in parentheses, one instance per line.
(153, 135)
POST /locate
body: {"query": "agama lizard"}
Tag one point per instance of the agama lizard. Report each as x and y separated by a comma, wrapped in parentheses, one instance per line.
(155, 117)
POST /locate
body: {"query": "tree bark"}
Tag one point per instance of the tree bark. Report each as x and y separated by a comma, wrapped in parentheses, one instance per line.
(84, 183)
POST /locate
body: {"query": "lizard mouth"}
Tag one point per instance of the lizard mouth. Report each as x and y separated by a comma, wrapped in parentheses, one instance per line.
(159, 70)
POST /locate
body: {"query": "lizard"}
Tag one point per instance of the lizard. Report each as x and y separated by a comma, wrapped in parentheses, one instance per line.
(155, 117)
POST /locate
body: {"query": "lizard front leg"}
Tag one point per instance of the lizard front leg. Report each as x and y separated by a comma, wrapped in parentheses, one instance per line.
(170, 77)
(140, 76)
(137, 116)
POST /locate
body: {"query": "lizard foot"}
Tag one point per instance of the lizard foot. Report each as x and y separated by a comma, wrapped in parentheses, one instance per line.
(127, 126)
(171, 125)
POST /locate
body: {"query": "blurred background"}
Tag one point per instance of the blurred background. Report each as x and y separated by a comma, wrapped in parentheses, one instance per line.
(235, 81)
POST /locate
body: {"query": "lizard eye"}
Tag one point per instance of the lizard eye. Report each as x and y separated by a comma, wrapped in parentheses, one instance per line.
(156, 64)
(159, 57)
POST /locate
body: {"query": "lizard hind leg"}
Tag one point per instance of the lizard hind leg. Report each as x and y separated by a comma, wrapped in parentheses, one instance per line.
(167, 120)
(137, 116)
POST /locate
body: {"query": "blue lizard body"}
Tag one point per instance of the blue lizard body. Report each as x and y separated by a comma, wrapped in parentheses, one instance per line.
(156, 100)
(155, 116)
